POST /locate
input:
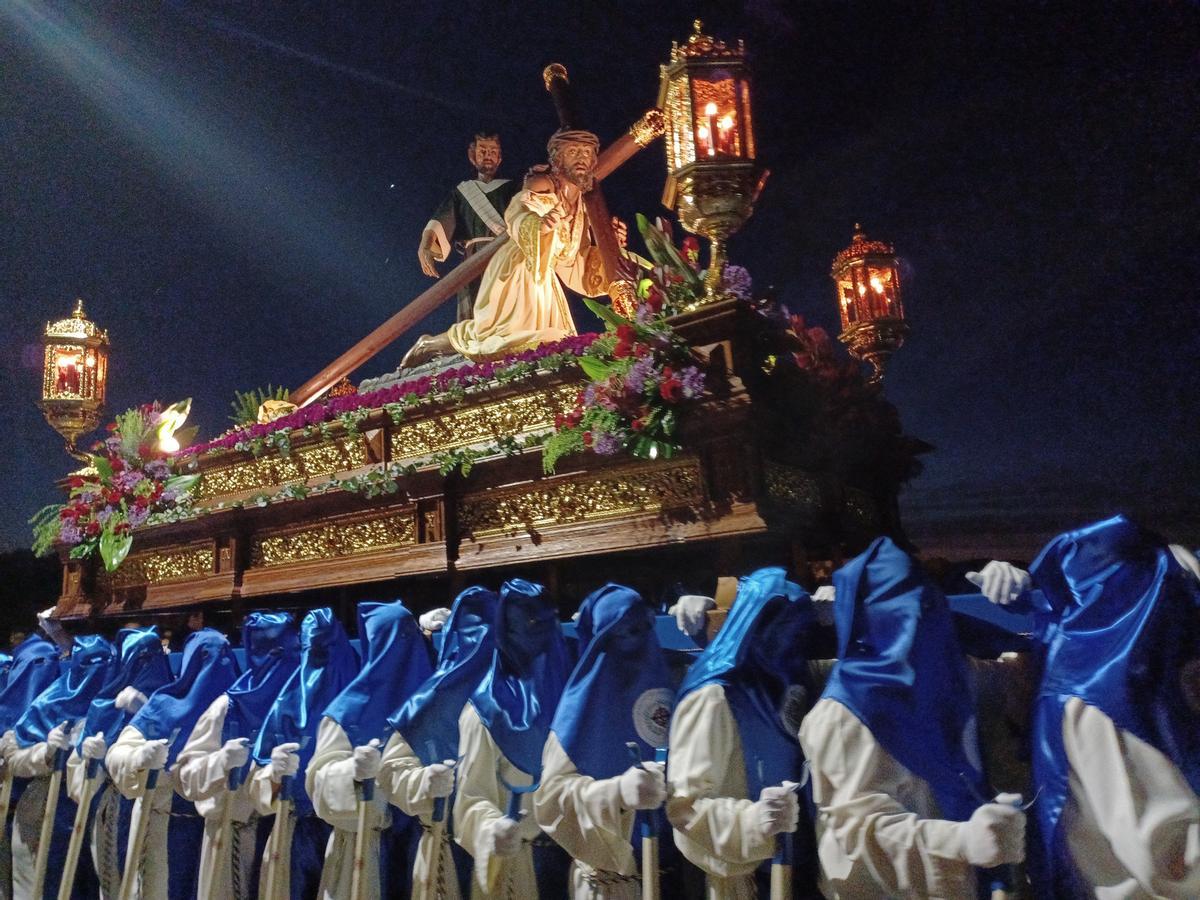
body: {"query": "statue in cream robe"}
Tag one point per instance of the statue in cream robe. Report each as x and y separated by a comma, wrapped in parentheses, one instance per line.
(153, 739)
(1115, 734)
(735, 761)
(501, 734)
(141, 670)
(591, 790)
(417, 768)
(349, 738)
(285, 745)
(211, 771)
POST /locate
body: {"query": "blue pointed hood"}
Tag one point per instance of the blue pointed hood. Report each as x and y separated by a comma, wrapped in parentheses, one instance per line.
(620, 691)
(758, 658)
(899, 662)
(429, 719)
(67, 699)
(519, 693)
(208, 669)
(34, 667)
(1120, 619)
(397, 663)
(141, 664)
(272, 646)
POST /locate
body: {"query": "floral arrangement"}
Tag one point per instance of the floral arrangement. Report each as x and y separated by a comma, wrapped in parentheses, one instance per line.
(130, 477)
(640, 374)
(677, 281)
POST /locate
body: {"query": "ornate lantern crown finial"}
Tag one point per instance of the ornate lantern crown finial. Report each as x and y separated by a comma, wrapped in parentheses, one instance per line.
(700, 44)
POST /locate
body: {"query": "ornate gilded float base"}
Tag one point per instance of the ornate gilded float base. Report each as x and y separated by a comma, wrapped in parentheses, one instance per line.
(159, 567)
(274, 470)
(610, 494)
(334, 540)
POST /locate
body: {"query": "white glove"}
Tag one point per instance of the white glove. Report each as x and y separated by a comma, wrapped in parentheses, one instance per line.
(1186, 558)
(8, 743)
(1001, 582)
(777, 809)
(826, 593)
(367, 760)
(504, 836)
(995, 833)
(53, 629)
(285, 762)
(94, 747)
(130, 698)
(59, 737)
(690, 612)
(434, 620)
(151, 755)
(437, 781)
(233, 754)
(643, 788)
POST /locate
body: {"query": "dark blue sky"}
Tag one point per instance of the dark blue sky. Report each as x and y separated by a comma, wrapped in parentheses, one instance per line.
(215, 179)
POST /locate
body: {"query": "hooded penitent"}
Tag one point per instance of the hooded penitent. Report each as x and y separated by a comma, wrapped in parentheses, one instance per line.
(620, 691)
(429, 719)
(34, 667)
(758, 658)
(141, 664)
(899, 663)
(519, 692)
(327, 664)
(207, 670)
(272, 647)
(67, 699)
(1120, 618)
(397, 663)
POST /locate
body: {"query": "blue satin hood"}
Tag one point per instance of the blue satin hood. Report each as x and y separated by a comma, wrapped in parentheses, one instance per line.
(34, 666)
(397, 664)
(207, 670)
(141, 664)
(1120, 618)
(519, 692)
(620, 691)
(899, 663)
(272, 647)
(67, 699)
(327, 664)
(429, 719)
(6, 662)
(767, 692)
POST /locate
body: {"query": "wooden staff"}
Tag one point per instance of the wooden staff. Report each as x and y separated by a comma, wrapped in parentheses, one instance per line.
(67, 884)
(47, 835)
(5, 794)
(223, 842)
(651, 884)
(275, 876)
(438, 830)
(142, 809)
(366, 799)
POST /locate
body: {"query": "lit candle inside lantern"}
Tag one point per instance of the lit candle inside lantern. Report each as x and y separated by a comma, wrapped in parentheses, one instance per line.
(710, 113)
(67, 381)
(725, 134)
(705, 140)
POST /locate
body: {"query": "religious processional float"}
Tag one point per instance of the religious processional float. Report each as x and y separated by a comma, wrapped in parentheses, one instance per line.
(705, 430)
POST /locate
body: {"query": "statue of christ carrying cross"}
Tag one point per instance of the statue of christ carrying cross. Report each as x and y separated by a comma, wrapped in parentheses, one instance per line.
(521, 302)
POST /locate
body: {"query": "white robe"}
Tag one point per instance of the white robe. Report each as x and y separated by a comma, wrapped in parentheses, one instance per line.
(480, 800)
(34, 763)
(108, 870)
(1132, 822)
(201, 779)
(585, 817)
(399, 781)
(878, 827)
(707, 800)
(156, 865)
(330, 783)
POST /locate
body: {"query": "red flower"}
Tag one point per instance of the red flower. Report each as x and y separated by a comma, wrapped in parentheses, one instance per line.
(92, 529)
(622, 350)
(587, 439)
(655, 298)
(74, 481)
(637, 424)
(111, 426)
(671, 390)
(691, 251)
(626, 334)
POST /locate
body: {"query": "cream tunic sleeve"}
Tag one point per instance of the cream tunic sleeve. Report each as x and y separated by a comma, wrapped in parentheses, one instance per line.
(877, 828)
(583, 814)
(1132, 822)
(31, 762)
(329, 781)
(707, 803)
(400, 779)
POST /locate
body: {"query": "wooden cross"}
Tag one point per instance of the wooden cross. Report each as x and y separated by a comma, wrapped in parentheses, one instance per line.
(640, 134)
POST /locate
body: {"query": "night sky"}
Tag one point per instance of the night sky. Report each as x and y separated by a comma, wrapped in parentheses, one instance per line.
(236, 190)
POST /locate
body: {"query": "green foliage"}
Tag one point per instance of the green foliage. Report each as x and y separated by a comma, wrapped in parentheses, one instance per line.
(245, 405)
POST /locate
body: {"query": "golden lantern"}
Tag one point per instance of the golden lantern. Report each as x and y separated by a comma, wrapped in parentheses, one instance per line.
(867, 276)
(74, 375)
(712, 178)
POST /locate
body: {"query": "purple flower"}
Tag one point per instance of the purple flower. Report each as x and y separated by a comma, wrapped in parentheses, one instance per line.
(138, 515)
(168, 496)
(737, 281)
(692, 380)
(605, 443)
(589, 395)
(157, 469)
(126, 481)
(86, 497)
(104, 515)
(635, 378)
(69, 532)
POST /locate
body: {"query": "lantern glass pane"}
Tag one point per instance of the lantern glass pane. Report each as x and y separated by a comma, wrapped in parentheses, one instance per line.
(845, 290)
(882, 292)
(681, 148)
(67, 372)
(747, 121)
(718, 128)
